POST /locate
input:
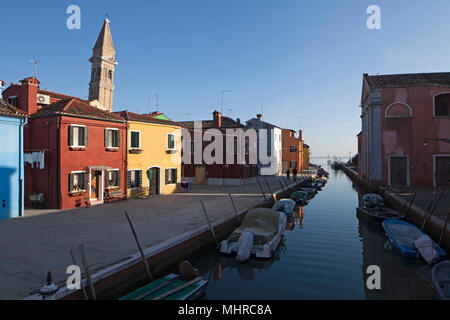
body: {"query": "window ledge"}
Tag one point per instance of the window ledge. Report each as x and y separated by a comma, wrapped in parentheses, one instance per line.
(135, 150)
(171, 150)
(72, 148)
(77, 193)
(112, 149)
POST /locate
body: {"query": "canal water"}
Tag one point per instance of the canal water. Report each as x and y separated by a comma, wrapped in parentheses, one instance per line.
(325, 255)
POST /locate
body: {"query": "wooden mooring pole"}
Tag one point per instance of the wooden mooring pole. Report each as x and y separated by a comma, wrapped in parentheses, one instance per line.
(81, 282)
(260, 188)
(207, 219)
(86, 271)
(268, 187)
(234, 207)
(139, 247)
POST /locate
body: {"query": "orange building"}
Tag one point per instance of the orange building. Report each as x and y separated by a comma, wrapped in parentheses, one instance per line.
(292, 147)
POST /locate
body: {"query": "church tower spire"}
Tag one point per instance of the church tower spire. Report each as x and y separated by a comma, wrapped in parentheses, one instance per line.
(101, 87)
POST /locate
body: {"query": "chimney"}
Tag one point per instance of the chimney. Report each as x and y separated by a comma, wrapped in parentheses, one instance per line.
(259, 116)
(217, 117)
(300, 135)
(30, 87)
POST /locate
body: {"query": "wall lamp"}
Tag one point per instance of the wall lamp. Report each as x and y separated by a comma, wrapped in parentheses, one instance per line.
(425, 141)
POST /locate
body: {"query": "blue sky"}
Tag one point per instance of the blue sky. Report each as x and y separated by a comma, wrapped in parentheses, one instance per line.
(297, 58)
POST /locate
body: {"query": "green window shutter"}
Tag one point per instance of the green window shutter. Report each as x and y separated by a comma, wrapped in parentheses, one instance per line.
(118, 178)
(129, 179)
(175, 176)
(107, 179)
(85, 131)
(167, 176)
(139, 178)
(106, 137)
(118, 139)
(70, 182)
(84, 181)
(70, 135)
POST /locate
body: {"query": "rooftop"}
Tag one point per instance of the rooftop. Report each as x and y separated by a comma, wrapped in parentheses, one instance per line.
(127, 115)
(9, 110)
(408, 80)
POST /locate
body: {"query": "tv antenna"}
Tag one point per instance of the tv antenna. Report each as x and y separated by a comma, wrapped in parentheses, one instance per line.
(157, 102)
(222, 98)
(35, 66)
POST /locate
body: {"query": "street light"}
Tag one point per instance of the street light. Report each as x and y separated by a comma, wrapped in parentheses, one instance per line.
(425, 141)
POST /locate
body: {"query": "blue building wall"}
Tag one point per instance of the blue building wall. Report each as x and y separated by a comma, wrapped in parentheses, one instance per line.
(11, 166)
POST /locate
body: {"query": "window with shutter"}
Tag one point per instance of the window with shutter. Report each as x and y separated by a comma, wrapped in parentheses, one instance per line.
(129, 179)
(135, 139)
(170, 141)
(171, 176)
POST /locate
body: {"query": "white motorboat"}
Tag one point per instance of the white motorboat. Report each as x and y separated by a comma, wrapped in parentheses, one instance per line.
(259, 234)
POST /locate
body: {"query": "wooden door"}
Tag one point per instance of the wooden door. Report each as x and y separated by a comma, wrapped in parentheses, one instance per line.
(154, 182)
(95, 184)
(199, 175)
(442, 171)
(399, 171)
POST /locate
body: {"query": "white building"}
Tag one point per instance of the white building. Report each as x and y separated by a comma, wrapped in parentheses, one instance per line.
(269, 146)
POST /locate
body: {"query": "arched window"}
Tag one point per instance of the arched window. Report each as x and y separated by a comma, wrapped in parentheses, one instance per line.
(442, 105)
(398, 110)
(110, 74)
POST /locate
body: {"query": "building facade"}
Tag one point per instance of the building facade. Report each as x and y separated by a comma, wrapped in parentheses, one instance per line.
(12, 121)
(292, 154)
(405, 129)
(74, 152)
(269, 145)
(154, 154)
(199, 170)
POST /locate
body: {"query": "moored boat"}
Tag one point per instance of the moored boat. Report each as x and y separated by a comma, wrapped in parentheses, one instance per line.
(440, 274)
(300, 197)
(169, 287)
(379, 214)
(284, 205)
(266, 227)
(404, 237)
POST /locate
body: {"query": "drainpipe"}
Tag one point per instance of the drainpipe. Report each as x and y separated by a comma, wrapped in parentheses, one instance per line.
(21, 167)
(58, 163)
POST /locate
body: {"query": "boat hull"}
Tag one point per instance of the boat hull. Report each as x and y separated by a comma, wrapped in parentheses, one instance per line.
(440, 275)
(379, 215)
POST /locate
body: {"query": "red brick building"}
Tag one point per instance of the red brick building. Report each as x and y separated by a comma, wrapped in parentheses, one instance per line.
(73, 151)
(218, 173)
(405, 129)
(292, 150)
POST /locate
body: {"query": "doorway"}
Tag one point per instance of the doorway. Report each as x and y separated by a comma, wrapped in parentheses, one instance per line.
(399, 171)
(442, 171)
(95, 184)
(154, 177)
(200, 175)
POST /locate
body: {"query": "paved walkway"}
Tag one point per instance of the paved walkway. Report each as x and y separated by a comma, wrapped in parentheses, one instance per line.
(40, 241)
(423, 198)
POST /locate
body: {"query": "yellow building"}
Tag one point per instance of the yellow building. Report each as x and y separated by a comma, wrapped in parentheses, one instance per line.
(154, 154)
(305, 156)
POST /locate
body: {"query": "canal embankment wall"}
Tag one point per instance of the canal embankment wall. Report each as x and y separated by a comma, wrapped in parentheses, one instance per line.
(130, 273)
(415, 214)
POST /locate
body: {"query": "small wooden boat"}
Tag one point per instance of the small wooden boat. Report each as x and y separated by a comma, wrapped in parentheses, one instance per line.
(403, 236)
(284, 205)
(170, 287)
(300, 197)
(266, 226)
(441, 279)
(309, 190)
(378, 215)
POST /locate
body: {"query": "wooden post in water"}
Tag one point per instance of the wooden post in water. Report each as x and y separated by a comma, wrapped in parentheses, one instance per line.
(86, 271)
(81, 282)
(273, 196)
(139, 247)
(207, 219)
(234, 207)
(411, 202)
(260, 188)
(444, 228)
(282, 188)
(425, 218)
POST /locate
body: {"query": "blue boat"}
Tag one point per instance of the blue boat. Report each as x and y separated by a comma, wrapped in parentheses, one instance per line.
(403, 234)
(300, 197)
